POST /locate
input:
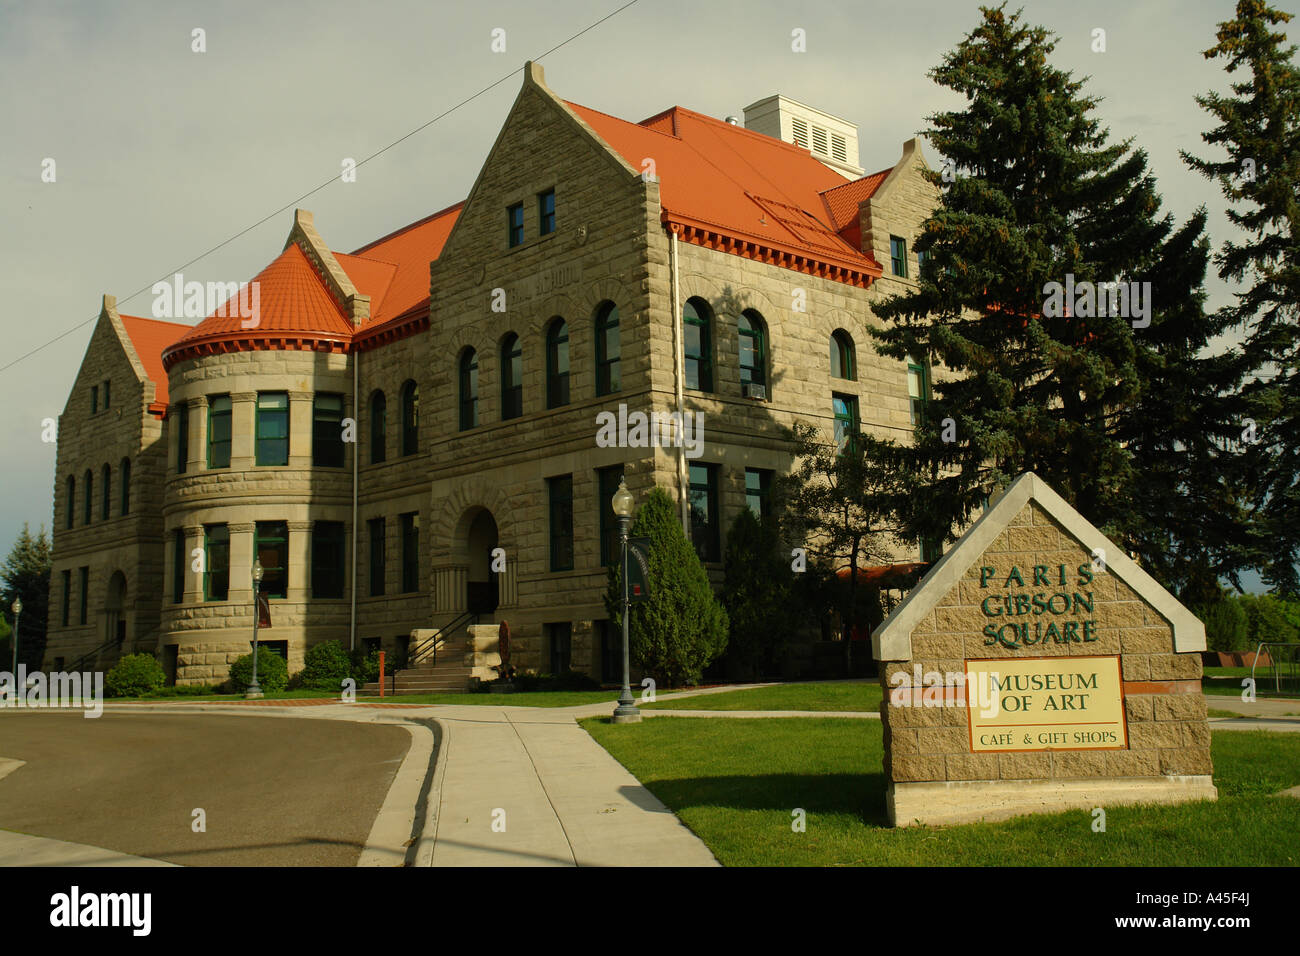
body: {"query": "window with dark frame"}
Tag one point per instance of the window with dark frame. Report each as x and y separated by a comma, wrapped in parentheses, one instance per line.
(606, 485)
(377, 566)
(546, 212)
(557, 364)
(515, 223)
(758, 490)
(219, 418)
(105, 493)
(72, 501)
(107, 386)
(328, 559)
(697, 335)
(705, 518)
(608, 350)
(753, 348)
(843, 356)
(378, 427)
(216, 562)
(271, 548)
(182, 436)
(918, 389)
(67, 597)
(512, 378)
(327, 449)
(272, 430)
(85, 593)
(846, 419)
(410, 552)
(179, 562)
(94, 399)
(560, 494)
(87, 504)
(410, 418)
(898, 256)
(560, 641)
(468, 390)
(125, 503)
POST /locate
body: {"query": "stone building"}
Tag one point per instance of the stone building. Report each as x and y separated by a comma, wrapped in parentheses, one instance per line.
(384, 421)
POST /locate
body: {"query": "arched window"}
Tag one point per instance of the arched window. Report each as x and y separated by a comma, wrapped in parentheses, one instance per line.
(126, 486)
(557, 364)
(843, 360)
(468, 389)
(378, 427)
(512, 378)
(410, 418)
(89, 496)
(608, 350)
(105, 493)
(72, 500)
(753, 350)
(697, 333)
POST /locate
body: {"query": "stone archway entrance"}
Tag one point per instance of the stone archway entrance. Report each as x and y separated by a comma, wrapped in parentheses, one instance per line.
(482, 593)
(115, 610)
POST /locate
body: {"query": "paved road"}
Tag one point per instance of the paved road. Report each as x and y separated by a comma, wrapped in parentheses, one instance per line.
(277, 791)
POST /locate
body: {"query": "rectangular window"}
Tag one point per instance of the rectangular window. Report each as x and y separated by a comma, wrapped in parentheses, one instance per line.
(94, 399)
(611, 652)
(327, 430)
(515, 218)
(216, 562)
(705, 519)
(271, 549)
(921, 259)
(178, 565)
(560, 491)
(85, 593)
(67, 596)
(376, 526)
(846, 418)
(328, 559)
(560, 639)
(606, 484)
(273, 428)
(917, 391)
(106, 394)
(546, 212)
(758, 487)
(182, 437)
(219, 431)
(898, 256)
(410, 552)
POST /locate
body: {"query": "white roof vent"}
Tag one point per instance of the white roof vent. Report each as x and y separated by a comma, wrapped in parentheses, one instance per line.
(830, 139)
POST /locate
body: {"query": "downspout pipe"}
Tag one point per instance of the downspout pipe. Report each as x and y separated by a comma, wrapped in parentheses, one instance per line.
(679, 377)
(356, 457)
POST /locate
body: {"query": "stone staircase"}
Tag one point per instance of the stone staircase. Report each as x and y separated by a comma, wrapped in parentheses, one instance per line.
(458, 660)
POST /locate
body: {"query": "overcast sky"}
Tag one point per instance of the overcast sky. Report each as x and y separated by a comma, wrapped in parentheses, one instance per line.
(162, 153)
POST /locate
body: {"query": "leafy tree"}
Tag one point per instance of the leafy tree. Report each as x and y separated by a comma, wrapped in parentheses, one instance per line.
(1035, 195)
(1225, 623)
(1267, 620)
(682, 628)
(325, 666)
(841, 504)
(758, 593)
(1259, 130)
(25, 574)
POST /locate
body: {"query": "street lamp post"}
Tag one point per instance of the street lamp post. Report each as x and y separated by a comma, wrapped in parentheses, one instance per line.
(17, 608)
(254, 689)
(625, 712)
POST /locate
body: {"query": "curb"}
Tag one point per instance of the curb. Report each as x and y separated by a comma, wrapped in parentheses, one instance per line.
(426, 842)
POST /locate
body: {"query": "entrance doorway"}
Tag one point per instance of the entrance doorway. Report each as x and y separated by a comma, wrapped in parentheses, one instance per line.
(482, 591)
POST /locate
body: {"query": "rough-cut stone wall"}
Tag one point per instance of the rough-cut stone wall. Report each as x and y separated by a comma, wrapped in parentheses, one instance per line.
(1164, 705)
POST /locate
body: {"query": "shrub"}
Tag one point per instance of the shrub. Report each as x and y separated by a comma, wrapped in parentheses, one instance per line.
(325, 666)
(682, 628)
(134, 675)
(272, 671)
(364, 667)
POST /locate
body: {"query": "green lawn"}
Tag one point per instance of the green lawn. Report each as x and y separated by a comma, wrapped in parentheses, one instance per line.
(857, 695)
(735, 782)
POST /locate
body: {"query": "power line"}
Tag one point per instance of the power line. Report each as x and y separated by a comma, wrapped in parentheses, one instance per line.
(312, 192)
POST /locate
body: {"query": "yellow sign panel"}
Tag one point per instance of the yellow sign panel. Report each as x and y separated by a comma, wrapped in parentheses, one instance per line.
(1045, 703)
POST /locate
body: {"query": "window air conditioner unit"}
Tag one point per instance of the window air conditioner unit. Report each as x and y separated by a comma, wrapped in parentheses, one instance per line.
(750, 390)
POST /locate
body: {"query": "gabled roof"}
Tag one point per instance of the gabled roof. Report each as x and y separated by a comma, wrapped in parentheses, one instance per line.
(149, 337)
(892, 639)
(410, 249)
(753, 192)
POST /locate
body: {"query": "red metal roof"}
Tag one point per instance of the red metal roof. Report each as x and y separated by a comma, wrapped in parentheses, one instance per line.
(149, 337)
(410, 249)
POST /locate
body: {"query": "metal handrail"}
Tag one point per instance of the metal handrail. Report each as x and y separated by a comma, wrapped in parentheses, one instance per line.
(432, 644)
(91, 655)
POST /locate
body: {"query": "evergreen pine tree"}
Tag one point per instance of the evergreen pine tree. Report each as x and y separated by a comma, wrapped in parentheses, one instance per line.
(1259, 129)
(682, 628)
(757, 591)
(1036, 195)
(25, 574)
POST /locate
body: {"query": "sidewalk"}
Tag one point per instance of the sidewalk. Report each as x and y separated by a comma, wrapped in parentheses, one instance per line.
(20, 849)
